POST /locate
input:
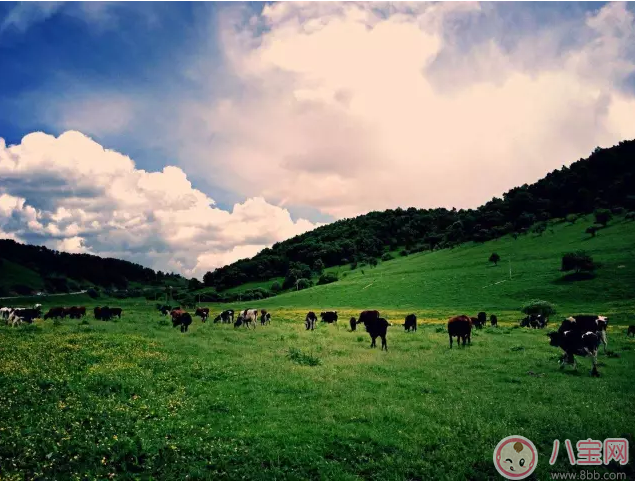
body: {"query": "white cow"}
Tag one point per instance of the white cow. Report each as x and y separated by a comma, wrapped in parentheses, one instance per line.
(249, 317)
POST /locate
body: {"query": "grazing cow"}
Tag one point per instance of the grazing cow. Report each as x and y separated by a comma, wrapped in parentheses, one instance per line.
(482, 319)
(329, 316)
(226, 316)
(310, 320)
(353, 323)
(164, 309)
(576, 342)
(493, 320)
(461, 328)
(75, 312)
(54, 313)
(631, 330)
(116, 311)
(265, 317)
(105, 313)
(5, 312)
(587, 323)
(202, 312)
(375, 326)
(182, 319)
(475, 322)
(248, 317)
(18, 316)
(410, 323)
(534, 321)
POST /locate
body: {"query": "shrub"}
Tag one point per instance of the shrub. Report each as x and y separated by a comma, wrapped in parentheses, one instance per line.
(304, 283)
(299, 357)
(494, 258)
(603, 216)
(539, 307)
(386, 256)
(539, 228)
(327, 278)
(353, 265)
(618, 210)
(276, 287)
(592, 230)
(630, 215)
(403, 253)
(579, 261)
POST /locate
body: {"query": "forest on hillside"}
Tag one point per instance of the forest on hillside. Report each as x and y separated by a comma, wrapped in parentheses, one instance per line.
(63, 272)
(603, 183)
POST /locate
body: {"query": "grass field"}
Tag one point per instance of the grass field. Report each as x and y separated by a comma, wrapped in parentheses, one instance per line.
(135, 398)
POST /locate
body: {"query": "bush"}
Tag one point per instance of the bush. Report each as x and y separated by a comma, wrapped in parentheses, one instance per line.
(353, 265)
(299, 357)
(630, 215)
(603, 216)
(386, 256)
(403, 253)
(494, 258)
(592, 230)
(539, 228)
(327, 278)
(618, 210)
(276, 287)
(579, 261)
(304, 283)
(539, 307)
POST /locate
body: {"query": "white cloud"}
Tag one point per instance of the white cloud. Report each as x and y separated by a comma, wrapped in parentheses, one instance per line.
(352, 107)
(91, 199)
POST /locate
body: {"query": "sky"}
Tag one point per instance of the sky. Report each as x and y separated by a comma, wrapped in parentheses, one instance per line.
(185, 136)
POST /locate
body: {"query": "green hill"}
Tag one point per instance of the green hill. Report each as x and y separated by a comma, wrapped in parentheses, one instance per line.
(462, 279)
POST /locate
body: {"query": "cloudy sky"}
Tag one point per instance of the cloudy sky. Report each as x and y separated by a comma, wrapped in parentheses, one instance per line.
(186, 136)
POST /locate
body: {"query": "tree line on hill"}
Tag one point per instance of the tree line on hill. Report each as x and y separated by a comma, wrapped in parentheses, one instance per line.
(67, 272)
(601, 183)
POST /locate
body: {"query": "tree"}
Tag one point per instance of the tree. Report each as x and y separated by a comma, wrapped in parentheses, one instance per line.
(327, 278)
(194, 284)
(579, 261)
(540, 228)
(603, 216)
(494, 258)
(318, 266)
(276, 287)
(539, 307)
(386, 256)
(303, 283)
(571, 219)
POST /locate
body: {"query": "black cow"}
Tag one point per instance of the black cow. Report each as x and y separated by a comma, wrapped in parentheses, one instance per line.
(329, 317)
(310, 320)
(475, 322)
(55, 312)
(116, 312)
(493, 320)
(535, 321)
(103, 313)
(375, 326)
(202, 312)
(353, 324)
(631, 330)
(482, 318)
(410, 323)
(461, 328)
(576, 342)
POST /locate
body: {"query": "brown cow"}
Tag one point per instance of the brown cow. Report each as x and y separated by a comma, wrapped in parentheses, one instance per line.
(202, 312)
(460, 327)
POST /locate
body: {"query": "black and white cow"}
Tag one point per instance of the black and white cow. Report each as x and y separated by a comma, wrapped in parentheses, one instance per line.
(587, 323)
(226, 316)
(310, 320)
(265, 317)
(246, 318)
(576, 343)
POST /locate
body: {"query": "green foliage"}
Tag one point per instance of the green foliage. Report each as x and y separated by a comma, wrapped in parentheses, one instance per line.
(327, 278)
(602, 216)
(494, 258)
(386, 257)
(302, 358)
(304, 283)
(276, 287)
(318, 266)
(93, 293)
(540, 228)
(630, 216)
(539, 307)
(194, 284)
(592, 230)
(578, 261)
(353, 265)
(404, 253)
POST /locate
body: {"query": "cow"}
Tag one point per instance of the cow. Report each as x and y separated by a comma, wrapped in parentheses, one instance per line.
(202, 312)
(587, 323)
(475, 322)
(181, 318)
(410, 323)
(631, 330)
(164, 309)
(493, 320)
(353, 324)
(329, 316)
(97, 312)
(461, 328)
(310, 320)
(5, 312)
(55, 312)
(226, 316)
(576, 342)
(534, 321)
(116, 311)
(265, 317)
(105, 313)
(482, 319)
(375, 326)
(75, 312)
(24, 315)
(248, 317)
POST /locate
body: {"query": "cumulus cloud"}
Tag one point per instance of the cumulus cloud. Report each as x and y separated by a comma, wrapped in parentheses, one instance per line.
(73, 195)
(353, 107)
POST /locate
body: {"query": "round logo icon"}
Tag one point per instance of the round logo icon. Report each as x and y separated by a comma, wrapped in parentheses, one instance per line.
(515, 457)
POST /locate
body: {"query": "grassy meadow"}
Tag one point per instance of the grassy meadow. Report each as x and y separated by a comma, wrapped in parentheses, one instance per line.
(136, 399)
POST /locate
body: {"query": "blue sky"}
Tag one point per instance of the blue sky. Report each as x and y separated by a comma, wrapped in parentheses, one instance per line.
(303, 107)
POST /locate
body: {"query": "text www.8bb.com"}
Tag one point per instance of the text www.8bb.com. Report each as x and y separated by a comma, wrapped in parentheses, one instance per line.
(588, 475)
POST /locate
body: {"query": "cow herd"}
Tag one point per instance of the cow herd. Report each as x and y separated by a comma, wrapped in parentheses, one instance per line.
(579, 335)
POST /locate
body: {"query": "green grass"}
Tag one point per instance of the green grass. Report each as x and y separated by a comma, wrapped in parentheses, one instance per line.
(136, 399)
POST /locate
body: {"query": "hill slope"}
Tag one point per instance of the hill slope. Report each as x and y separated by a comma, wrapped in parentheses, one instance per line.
(462, 280)
(604, 180)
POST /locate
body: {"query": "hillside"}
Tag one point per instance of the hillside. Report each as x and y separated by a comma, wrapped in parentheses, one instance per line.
(25, 269)
(603, 181)
(463, 280)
